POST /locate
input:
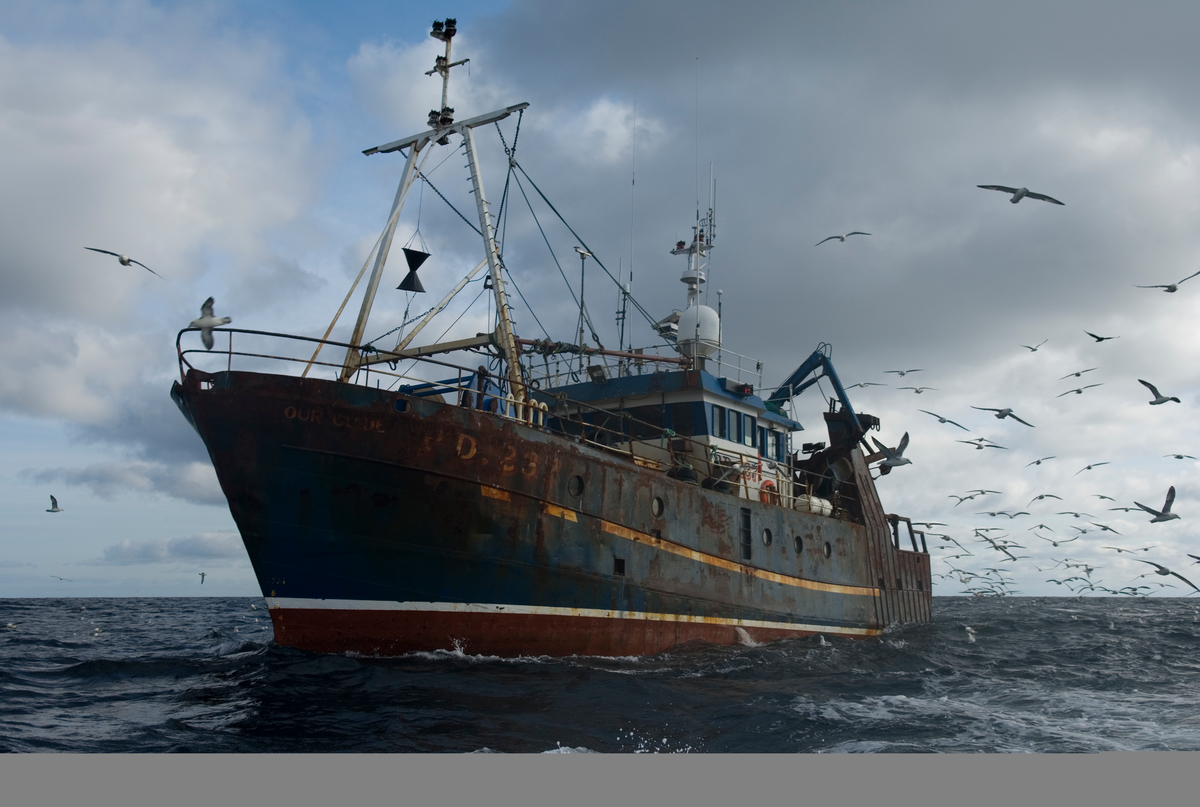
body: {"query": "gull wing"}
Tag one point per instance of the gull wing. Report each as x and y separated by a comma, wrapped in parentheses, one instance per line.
(1159, 286)
(860, 232)
(1043, 197)
(1153, 389)
(904, 444)
(830, 238)
(53, 502)
(147, 268)
(1004, 188)
(1170, 500)
(206, 310)
(1149, 510)
(1189, 277)
(1014, 417)
(105, 251)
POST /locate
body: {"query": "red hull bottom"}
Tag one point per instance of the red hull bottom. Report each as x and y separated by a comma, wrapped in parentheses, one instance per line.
(390, 633)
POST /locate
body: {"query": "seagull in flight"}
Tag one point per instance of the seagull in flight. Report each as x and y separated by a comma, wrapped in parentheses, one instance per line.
(841, 238)
(1159, 398)
(54, 508)
(981, 444)
(903, 373)
(1020, 193)
(1058, 541)
(1080, 390)
(1099, 338)
(206, 322)
(1104, 498)
(1131, 551)
(202, 576)
(1044, 496)
(1039, 462)
(1170, 288)
(67, 579)
(1164, 571)
(1180, 456)
(918, 390)
(1002, 413)
(866, 384)
(1078, 374)
(893, 457)
(944, 420)
(125, 260)
(1034, 349)
(1073, 513)
(1090, 467)
(1165, 514)
(1105, 528)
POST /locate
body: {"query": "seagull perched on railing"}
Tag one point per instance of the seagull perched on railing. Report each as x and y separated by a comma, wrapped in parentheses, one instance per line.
(1159, 398)
(1169, 288)
(1165, 514)
(893, 457)
(207, 322)
(125, 260)
(1020, 193)
(841, 238)
(1002, 413)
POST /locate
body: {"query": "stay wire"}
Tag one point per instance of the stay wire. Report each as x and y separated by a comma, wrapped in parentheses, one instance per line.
(636, 304)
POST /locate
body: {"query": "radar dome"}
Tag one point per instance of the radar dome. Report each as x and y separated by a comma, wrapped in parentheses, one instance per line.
(699, 331)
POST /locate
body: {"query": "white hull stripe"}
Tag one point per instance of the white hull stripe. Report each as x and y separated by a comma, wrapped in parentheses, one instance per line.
(290, 603)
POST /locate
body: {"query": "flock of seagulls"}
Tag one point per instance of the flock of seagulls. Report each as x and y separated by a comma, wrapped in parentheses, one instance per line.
(204, 323)
(994, 580)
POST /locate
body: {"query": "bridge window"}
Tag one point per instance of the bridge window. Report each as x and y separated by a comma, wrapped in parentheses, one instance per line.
(720, 422)
(762, 441)
(684, 420)
(748, 433)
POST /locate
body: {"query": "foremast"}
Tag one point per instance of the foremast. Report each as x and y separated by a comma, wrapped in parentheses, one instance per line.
(442, 126)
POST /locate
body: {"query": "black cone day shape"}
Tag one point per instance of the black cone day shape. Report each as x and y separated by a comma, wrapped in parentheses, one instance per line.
(415, 258)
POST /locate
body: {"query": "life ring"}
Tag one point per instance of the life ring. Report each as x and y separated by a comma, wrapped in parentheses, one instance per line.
(767, 494)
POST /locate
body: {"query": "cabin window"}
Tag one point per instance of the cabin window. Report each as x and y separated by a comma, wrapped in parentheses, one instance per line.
(744, 529)
(749, 430)
(762, 441)
(780, 446)
(719, 422)
(683, 419)
(650, 426)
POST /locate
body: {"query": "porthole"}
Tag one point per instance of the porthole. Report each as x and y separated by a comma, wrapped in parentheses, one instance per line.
(766, 537)
(656, 507)
(828, 550)
(575, 486)
(799, 544)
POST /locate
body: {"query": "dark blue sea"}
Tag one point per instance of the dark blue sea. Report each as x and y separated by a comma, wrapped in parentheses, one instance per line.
(203, 675)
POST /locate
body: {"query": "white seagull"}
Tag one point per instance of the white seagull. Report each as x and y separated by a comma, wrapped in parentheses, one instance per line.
(207, 322)
(893, 457)
(1078, 374)
(1164, 571)
(54, 508)
(1020, 193)
(1034, 349)
(944, 420)
(918, 390)
(1090, 467)
(125, 260)
(1039, 462)
(980, 443)
(1002, 413)
(1159, 398)
(1165, 514)
(1169, 288)
(903, 373)
(1080, 390)
(866, 384)
(841, 237)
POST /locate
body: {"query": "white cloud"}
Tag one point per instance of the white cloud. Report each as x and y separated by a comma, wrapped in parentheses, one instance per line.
(212, 546)
(194, 482)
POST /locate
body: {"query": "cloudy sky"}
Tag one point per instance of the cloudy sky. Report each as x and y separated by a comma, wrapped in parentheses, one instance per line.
(220, 144)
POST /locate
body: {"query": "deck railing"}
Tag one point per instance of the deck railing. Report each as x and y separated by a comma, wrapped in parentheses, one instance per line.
(659, 448)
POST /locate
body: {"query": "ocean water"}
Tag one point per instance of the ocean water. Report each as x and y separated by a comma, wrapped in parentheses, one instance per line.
(203, 675)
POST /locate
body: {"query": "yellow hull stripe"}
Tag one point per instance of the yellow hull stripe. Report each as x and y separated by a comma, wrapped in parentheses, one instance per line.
(739, 568)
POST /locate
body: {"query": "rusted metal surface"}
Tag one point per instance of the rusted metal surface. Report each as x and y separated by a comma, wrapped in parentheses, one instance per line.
(341, 496)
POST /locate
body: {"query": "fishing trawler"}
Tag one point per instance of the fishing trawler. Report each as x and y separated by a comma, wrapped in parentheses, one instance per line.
(542, 497)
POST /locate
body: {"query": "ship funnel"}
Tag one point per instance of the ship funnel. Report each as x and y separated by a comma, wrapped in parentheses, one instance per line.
(411, 282)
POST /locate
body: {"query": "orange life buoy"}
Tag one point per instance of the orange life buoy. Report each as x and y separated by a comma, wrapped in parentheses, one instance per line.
(767, 493)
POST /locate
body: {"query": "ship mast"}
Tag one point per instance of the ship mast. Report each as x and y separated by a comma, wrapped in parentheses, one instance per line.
(442, 125)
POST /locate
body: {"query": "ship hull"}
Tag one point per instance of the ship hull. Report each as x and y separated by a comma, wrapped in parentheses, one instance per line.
(379, 523)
